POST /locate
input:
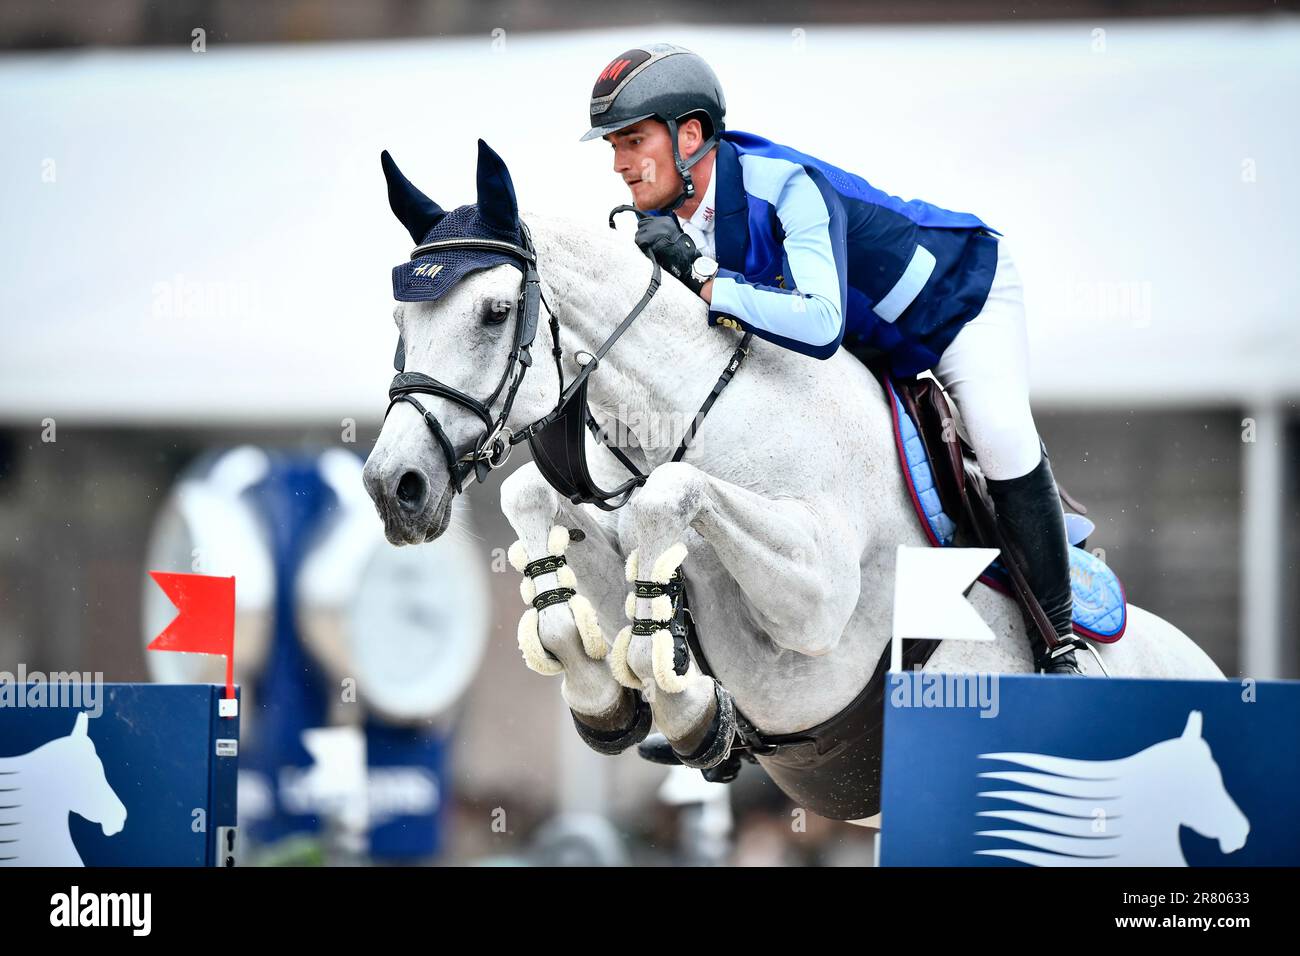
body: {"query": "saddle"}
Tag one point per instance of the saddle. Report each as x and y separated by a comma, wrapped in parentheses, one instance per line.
(927, 403)
(960, 506)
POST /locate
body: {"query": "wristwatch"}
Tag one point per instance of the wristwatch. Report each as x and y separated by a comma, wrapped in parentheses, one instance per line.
(703, 269)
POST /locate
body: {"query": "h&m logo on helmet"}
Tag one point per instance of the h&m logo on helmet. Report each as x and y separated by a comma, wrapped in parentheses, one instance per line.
(609, 78)
(612, 71)
(427, 270)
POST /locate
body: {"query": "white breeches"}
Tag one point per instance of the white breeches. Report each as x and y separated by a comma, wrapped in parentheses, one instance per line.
(986, 372)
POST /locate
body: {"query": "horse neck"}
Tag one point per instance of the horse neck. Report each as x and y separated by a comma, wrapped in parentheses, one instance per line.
(45, 825)
(593, 279)
(49, 761)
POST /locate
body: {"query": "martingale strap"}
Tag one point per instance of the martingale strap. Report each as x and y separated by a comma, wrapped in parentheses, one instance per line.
(559, 445)
(557, 440)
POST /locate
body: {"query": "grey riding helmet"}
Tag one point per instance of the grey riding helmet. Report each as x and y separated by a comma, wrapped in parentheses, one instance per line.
(662, 81)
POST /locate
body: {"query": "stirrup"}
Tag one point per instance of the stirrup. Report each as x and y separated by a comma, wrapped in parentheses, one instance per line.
(1066, 645)
(1095, 656)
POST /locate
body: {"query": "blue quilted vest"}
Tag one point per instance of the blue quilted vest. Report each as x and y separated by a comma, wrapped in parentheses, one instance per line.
(881, 234)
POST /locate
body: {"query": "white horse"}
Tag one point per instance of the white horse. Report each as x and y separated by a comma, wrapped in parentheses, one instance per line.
(787, 511)
(39, 789)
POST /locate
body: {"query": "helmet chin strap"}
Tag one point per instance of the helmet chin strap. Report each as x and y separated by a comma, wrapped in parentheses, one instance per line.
(684, 165)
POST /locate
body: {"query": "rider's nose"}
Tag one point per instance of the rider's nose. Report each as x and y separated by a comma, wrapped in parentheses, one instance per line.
(412, 491)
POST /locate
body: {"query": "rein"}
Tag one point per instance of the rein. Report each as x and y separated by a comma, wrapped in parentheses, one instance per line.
(556, 439)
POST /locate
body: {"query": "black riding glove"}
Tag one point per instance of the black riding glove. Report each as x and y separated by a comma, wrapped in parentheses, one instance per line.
(662, 238)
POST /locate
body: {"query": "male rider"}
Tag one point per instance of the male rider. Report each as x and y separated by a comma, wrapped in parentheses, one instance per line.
(812, 257)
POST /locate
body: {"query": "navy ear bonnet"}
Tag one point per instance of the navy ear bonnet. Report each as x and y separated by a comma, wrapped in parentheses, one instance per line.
(495, 216)
(432, 275)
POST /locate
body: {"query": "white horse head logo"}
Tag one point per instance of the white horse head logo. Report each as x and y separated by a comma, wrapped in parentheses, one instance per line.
(39, 789)
(1124, 812)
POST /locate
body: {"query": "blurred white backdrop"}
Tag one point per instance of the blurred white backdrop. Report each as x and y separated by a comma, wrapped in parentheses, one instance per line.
(206, 237)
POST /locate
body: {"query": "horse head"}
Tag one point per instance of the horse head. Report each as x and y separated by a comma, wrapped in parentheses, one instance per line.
(1206, 806)
(91, 795)
(456, 314)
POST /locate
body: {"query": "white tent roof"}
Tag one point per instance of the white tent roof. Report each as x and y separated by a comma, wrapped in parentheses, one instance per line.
(215, 244)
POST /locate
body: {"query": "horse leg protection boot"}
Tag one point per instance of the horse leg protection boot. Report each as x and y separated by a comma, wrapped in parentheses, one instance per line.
(1029, 514)
(713, 747)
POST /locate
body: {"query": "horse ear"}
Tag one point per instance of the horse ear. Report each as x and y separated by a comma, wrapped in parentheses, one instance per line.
(496, 193)
(413, 209)
(1193, 728)
(79, 729)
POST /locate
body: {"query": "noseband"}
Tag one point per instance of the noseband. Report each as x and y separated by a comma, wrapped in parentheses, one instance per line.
(557, 440)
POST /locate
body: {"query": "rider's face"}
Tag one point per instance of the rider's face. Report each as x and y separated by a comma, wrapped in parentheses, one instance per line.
(643, 156)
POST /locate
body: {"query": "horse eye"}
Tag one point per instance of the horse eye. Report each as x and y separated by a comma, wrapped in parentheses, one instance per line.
(496, 311)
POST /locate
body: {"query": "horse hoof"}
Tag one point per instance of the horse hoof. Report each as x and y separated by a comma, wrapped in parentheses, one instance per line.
(721, 733)
(615, 742)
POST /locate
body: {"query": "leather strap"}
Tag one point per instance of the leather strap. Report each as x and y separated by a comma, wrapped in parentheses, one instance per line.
(724, 379)
(546, 565)
(553, 596)
(929, 409)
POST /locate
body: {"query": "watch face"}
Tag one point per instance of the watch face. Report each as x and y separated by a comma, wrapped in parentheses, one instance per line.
(706, 267)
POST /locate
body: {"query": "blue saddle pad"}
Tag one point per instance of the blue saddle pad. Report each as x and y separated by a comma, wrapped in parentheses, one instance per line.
(1100, 606)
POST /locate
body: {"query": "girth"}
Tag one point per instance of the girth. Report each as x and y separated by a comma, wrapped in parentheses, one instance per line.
(832, 769)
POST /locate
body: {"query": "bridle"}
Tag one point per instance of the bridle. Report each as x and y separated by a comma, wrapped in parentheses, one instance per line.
(493, 447)
(556, 439)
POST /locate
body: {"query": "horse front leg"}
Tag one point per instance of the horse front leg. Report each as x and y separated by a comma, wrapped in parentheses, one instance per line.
(799, 572)
(560, 633)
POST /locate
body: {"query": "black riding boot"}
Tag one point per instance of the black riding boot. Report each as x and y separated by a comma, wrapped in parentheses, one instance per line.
(1029, 514)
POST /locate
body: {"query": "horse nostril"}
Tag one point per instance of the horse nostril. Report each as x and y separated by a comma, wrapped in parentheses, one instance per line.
(411, 492)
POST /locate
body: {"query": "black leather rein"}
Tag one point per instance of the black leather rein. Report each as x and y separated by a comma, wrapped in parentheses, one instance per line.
(556, 439)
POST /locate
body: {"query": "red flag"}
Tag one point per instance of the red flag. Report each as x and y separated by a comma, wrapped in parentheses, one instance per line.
(205, 623)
